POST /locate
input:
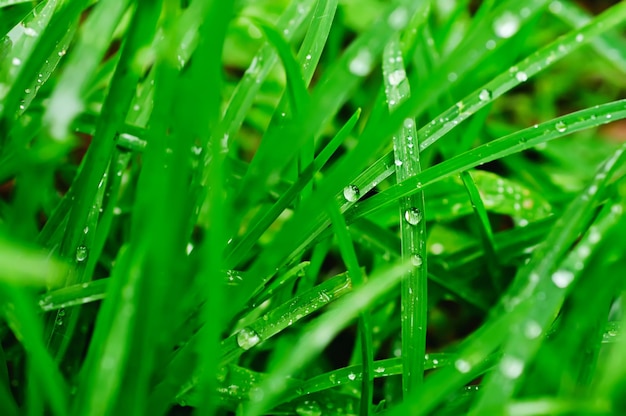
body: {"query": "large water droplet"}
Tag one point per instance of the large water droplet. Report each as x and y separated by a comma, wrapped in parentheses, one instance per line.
(81, 253)
(560, 126)
(562, 278)
(413, 216)
(309, 408)
(511, 367)
(396, 77)
(462, 366)
(484, 95)
(351, 193)
(521, 76)
(506, 25)
(247, 338)
(417, 260)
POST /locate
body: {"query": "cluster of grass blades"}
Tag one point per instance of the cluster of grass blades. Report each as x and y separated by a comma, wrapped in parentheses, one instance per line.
(312, 207)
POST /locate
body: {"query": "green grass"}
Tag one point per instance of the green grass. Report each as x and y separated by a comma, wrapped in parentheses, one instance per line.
(312, 207)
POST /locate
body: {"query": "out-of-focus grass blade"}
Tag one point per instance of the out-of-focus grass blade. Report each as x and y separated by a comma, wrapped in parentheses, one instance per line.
(322, 331)
(609, 45)
(497, 149)
(351, 261)
(68, 98)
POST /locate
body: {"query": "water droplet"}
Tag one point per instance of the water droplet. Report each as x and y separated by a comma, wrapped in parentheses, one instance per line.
(562, 278)
(309, 408)
(521, 76)
(352, 376)
(580, 37)
(397, 162)
(437, 248)
(484, 95)
(398, 18)
(29, 31)
(560, 126)
(506, 25)
(396, 77)
(462, 366)
(416, 260)
(362, 63)
(491, 44)
(16, 61)
(532, 329)
(511, 367)
(413, 216)
(81, 253)
(351, 193)
(247, 338)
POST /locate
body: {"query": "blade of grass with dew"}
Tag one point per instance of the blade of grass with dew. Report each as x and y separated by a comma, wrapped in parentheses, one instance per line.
(519, 349)
(207, 58)
(412, 226)
(530, 66)
(74, 295)
(88, 183)
(326, 99)
(484, 227)
(321, 332)
(263, 328)
(351, 261)
(515, 307)
(526, 68)
(496, 149)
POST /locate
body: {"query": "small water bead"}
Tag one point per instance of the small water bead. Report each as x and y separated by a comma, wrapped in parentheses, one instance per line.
(562, 278)
(484, 95)
(81, 253)
(491, 44)
(247, 338)
(511, 367)
(521, 76)
(462, 366)
(16, 61)
(309, 408)
(351, 193)
(379, 370)
(580, 37)
(29, 31)
(560, 126)
(397, 162)
(413, 216)
(506, 25)
(352, 376)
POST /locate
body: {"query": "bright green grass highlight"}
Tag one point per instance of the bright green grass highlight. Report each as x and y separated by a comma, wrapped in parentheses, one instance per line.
(312, 207)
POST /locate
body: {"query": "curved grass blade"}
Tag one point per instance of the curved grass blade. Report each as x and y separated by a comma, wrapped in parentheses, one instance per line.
(294, 238)
(496, 149)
